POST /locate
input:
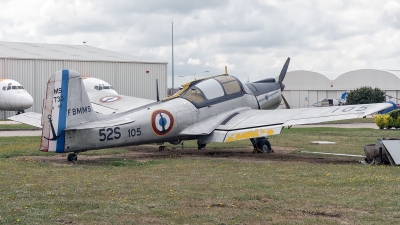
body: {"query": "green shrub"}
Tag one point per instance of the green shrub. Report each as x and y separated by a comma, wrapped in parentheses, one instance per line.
(388, 120)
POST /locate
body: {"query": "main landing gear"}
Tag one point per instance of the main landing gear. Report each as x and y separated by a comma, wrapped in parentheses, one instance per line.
(200, 145)
(72, 157)
(261, 145)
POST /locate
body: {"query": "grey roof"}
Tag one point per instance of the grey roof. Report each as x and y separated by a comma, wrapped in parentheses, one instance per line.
(17, 50)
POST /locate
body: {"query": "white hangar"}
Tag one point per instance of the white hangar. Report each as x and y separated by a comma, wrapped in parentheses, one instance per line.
(31, 64)
(304, 88)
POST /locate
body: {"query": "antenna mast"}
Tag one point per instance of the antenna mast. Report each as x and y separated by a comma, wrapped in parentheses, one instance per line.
(173, 57)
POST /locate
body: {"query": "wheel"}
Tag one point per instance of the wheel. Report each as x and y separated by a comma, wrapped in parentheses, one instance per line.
(264, 145)
(72, 157)
(201, 146)
(161, 148)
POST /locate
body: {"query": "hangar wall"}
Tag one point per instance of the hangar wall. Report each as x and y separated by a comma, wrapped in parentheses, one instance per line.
(128, 78)
(304, 88)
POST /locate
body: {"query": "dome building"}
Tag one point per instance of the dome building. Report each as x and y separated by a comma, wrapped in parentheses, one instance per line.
(304, 88)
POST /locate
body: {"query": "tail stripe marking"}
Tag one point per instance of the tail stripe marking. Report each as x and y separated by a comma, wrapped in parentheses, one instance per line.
(62, 116)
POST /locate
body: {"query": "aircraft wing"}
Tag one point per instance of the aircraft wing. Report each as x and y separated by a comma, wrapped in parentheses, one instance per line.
(107, 104)
(30, 118)
(251, 123)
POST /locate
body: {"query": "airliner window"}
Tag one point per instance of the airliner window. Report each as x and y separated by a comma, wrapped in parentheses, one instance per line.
(20, 87)
(4, 88)
(211, 89)
(14, 87)
(8, 88)
(194, 95)
(96, 87)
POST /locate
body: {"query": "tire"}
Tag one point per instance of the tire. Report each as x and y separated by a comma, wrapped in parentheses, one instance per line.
(72, 157)
(264, 145)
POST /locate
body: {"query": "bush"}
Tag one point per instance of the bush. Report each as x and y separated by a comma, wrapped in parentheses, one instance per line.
(388, 120)
(365, 95)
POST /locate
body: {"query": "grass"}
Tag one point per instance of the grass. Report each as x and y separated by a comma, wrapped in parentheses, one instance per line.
(202, 190)
(17, 127)
(357, 120)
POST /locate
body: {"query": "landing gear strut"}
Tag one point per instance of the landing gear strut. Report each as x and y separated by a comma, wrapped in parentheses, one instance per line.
(72, 157)
(261, 145)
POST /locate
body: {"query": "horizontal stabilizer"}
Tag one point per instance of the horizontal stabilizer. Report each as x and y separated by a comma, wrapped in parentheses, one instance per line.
(30, 118)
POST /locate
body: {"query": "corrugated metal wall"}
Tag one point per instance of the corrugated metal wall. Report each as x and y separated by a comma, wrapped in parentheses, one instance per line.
(128, 78)
(2, 68)
(312, 97)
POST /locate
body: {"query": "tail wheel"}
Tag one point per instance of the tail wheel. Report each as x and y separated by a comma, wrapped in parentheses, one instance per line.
(72, 157)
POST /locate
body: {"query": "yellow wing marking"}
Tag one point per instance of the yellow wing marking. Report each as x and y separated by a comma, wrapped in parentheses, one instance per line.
(249, 134)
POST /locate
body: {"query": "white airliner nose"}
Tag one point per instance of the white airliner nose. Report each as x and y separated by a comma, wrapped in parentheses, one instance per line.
(318, 104)
(25, 101)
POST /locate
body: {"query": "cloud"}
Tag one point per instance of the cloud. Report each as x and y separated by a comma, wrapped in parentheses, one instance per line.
(252, 38)
(194, 61)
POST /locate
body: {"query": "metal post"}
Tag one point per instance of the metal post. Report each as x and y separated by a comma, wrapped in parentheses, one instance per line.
(172, 57)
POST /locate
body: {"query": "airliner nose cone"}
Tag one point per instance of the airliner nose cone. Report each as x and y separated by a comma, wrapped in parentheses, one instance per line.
(318, 104)
(26, 101)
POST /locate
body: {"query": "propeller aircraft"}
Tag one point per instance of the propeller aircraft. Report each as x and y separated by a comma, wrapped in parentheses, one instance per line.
(331, 101)
(215, 109)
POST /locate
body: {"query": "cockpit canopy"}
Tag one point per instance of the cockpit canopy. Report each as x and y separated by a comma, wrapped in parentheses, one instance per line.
(213, 90)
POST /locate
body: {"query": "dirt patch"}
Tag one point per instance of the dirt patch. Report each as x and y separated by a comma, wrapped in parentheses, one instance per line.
(150, 152)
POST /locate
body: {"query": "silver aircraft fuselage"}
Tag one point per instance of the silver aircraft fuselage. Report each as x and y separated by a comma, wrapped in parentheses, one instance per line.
(155, 123)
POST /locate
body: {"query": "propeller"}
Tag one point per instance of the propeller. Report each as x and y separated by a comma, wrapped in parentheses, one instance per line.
(158, 96)
(283, 74)
(286, 103)
(281, 77)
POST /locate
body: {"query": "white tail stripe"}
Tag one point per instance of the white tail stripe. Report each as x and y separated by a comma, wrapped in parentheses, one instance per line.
(54, 112)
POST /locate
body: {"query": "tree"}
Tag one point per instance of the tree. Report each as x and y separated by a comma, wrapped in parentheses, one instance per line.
(365, 95)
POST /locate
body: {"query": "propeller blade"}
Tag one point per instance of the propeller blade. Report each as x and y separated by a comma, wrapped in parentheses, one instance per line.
(158, 96)
(286, 103)
(284, 70)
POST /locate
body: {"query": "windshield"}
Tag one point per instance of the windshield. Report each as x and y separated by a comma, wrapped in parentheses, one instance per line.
(9, 87)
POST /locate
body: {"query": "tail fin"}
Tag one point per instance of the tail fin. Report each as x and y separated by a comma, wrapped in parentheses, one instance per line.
(344, 96)
(66, 104)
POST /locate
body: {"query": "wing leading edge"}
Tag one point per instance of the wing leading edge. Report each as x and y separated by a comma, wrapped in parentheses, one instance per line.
(252, 123)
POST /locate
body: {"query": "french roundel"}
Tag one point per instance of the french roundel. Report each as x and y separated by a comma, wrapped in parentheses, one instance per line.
(108, 99)
(162, 122)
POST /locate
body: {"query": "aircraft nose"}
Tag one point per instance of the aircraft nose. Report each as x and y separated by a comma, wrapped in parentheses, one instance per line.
(26, 101)
(318, 104)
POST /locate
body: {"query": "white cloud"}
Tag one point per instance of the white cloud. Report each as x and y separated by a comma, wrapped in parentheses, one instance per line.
(252, 38)
(194, 61)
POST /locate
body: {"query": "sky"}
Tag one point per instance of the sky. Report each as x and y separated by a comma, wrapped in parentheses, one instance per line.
(252, 38)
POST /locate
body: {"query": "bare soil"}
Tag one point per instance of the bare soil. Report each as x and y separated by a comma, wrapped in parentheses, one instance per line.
(151, 152)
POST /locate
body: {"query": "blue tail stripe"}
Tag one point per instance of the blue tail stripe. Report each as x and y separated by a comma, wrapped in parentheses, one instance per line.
(62, 116)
